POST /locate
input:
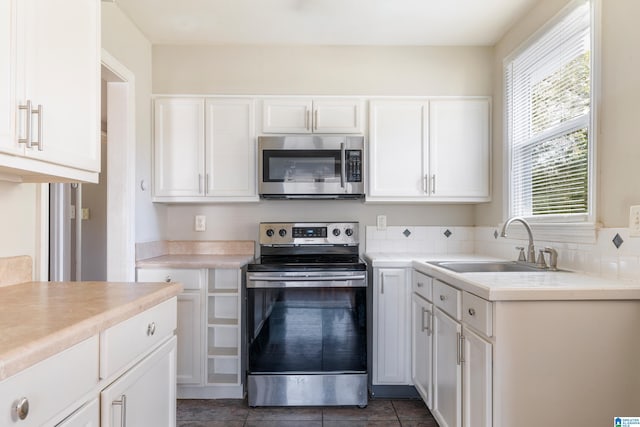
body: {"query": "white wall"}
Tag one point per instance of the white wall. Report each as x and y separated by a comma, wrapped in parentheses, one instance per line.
(618, 174)
(122, 39)
(18, 219)
(317, 70)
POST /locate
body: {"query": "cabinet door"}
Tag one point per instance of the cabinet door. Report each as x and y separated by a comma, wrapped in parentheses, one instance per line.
(179, 147)
(391, 360)
(189, 332)
(477, 396)
(86, 416)
(337, 116)
(230, 148)
(286, 116)
(459, 148)
(8, 88)
(447, 371)
(422, 347)
(146, 394)
(61, 48)
(397, 149)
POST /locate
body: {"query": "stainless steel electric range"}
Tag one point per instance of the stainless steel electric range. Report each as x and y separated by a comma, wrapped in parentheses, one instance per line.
(306, 335)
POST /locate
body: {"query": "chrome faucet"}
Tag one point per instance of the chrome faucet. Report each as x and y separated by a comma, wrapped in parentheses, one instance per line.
(531, 252)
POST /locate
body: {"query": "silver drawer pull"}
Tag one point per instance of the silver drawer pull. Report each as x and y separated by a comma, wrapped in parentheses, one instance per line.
(472, 312)
(22, 408)
(443, 297)
(420, 284)
(123, 412)
(151, 329)
(167, 279)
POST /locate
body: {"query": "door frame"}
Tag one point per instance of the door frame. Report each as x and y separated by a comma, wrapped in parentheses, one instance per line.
(121, 157)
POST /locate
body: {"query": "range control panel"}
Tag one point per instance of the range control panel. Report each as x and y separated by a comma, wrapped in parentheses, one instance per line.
(309, 233)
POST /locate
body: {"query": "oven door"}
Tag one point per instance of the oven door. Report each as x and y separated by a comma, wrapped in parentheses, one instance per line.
(307, 338)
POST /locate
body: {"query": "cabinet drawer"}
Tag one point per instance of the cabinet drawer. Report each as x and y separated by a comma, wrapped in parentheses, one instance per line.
(447, 298)
(422, 285)
(477, 313)
(189, 278)
(125, 342)
(50, 385)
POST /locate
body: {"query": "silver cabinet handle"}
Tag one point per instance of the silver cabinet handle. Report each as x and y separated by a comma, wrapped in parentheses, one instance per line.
(460, 348)
(38, 143)
(27, 124)
(472, 312)
(151, 329)
(433, 184)
(206, 184)
(306, 119)
(315, 119)
(382, 283)
(420, 284)
(168, 279)
(123, 413)
(343, 166)
(424, 328)
(443, 297)
(430, 327)
(425, 184)
(22, 408)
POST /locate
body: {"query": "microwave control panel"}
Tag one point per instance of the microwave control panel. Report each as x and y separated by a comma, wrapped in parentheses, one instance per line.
(353, 165)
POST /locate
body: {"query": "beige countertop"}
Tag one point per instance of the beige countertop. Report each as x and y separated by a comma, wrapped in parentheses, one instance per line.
(195, 261)
(514, 286)
(40, 319)
(195, 254)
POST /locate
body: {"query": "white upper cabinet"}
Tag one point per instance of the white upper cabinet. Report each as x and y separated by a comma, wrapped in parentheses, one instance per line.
(325, 115)
(204, 149)
(459, 148)
(50, 76)
(178, 147)
(431, 150)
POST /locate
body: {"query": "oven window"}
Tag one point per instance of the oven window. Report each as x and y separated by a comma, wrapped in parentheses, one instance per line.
(307, 330)
(301, 165)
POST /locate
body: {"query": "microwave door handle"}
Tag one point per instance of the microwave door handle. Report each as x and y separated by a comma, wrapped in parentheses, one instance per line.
(343, 166)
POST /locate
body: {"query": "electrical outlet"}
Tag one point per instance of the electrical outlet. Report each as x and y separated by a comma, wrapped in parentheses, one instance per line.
(634, 221)
(200, 223)
(381, 222)
(85, 213)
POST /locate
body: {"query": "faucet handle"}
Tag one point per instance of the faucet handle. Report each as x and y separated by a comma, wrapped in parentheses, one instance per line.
(553, 258)
(541, 263)
(521, 255)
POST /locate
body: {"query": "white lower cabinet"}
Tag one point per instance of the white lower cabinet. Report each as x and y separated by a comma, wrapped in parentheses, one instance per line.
(209, 330)
(146, 394)
(391, 327)
(190, 327)
(452, 353)
(422, 348)
(477, 372)
(87, 416)
(447, 370)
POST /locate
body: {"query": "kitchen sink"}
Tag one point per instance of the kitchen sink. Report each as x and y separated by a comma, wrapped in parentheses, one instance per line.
(486, 266)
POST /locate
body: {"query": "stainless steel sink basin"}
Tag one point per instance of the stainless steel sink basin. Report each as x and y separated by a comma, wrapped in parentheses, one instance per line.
(486, 266)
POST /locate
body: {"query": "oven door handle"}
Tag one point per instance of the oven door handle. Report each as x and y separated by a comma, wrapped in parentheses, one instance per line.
(343, 167)
(305, 278)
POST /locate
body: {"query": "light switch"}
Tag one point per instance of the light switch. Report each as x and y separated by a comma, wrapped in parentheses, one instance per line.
(381, 222)
(200, 223)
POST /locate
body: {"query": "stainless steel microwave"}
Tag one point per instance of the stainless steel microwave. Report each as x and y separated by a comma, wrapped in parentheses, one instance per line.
(311, 167)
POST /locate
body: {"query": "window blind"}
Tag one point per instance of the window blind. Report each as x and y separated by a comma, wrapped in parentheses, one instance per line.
(548, 97)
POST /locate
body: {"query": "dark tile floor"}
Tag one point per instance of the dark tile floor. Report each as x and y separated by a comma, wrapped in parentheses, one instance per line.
(236, 413)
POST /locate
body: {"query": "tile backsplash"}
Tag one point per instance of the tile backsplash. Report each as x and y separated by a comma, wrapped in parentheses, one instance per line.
(603, 258)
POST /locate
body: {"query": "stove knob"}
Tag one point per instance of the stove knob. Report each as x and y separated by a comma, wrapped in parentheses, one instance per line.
(282, 232)
(270, 232)
(349, 232)
(336, 232)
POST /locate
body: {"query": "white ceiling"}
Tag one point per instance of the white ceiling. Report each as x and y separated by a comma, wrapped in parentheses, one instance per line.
(325, 22)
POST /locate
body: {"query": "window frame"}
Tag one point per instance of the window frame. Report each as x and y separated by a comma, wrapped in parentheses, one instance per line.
(577, 228)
